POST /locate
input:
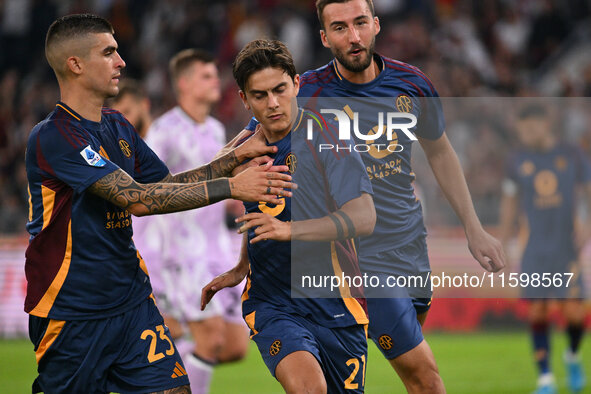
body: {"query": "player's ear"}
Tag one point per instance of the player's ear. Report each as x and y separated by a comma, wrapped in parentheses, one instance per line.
(244, 101)
(296, 83)
(376, 21)
(324, 39)
(74, 64)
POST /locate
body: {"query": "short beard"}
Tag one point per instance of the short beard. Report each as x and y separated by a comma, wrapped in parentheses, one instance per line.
(356, 67)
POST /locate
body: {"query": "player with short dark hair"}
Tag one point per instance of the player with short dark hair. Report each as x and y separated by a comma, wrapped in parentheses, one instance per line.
(309, 344)
(543, 178)
(93, 321)
(358, 76)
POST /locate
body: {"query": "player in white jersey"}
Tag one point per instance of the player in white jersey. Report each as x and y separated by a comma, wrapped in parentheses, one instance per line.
(185, 251)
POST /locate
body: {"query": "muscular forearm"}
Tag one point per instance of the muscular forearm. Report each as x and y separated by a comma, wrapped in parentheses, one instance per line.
(355, 218)
(219, 167)
(154, 198)
(450, 177)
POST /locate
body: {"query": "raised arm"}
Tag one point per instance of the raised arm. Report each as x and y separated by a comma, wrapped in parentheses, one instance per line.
(356, 217)
(254, 184)
(447, 170)
(226, 160)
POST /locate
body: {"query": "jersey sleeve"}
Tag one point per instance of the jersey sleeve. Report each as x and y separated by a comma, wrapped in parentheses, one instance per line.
(345, 172)
(431, 122)
(252, 125)
(148, 166)
(65, 151)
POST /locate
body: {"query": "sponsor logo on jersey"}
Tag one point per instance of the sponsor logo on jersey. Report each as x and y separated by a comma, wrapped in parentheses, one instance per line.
(92, 158)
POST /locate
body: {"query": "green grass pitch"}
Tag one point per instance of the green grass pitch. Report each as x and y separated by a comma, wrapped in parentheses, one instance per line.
(469, 363)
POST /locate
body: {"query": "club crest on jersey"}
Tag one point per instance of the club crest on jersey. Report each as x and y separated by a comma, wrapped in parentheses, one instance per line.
(403, 103)
(92, 158)
(124, 145)
(275, 348)
(291, 161)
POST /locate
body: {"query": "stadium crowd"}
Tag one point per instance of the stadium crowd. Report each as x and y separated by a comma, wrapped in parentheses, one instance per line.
(469, 48)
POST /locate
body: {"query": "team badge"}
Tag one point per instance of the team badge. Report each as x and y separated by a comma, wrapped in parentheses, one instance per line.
(291, 161)
(546, 183)
(124, 145)
(275, 348)
(92, 158)
(385, 342)
(403, 103)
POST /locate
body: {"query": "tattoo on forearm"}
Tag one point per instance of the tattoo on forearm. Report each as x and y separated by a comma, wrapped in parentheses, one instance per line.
(218, 168)
(122, 190)
(351, 231)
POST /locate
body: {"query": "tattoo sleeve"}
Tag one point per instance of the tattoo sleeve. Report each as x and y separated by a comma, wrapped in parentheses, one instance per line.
(145, 199)
(220, 167)
(176, 390)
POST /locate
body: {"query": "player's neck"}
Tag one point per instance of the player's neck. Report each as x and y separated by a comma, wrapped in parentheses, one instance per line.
(198, 111)
(86, 104)
(365, 76)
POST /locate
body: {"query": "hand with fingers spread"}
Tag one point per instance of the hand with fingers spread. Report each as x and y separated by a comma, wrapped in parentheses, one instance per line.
(486, 249)
(265, 227)
(255, 162)
(262, 183)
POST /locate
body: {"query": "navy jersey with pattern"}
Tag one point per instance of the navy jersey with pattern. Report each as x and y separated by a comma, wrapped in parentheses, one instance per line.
(81, 261)
(325, 182)
(547, 183)
(398, 88)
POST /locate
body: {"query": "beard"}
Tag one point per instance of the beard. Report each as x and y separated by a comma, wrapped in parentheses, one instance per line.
(359, 64)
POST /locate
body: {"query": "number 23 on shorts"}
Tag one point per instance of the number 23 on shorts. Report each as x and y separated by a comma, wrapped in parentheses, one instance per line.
(152, 355)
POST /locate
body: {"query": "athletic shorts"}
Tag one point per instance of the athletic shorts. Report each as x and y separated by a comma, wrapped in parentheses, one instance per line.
(128, 353)
(392, 311)
(551, 276)
(341, 352)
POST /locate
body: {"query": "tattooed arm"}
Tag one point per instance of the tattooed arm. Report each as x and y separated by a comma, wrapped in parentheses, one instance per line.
(254, 184)
(223, 165)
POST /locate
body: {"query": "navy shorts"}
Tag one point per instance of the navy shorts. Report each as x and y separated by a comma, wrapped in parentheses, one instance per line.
(341, 352)
(128, 353)
(392, 311)
(552, 276)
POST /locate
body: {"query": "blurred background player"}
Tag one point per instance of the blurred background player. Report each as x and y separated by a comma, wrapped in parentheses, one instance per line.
(543, 178)
(134, 103)
(186, 251)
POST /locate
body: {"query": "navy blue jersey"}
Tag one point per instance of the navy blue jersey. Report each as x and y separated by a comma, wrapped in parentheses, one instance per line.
(398, 88)
(81, 261)
(326, 180)
(546, 182)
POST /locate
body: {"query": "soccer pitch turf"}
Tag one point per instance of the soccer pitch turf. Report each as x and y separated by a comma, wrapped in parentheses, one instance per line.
(481, 362)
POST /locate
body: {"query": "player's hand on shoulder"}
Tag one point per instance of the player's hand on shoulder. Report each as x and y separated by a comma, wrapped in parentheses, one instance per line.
(255, 146)
(262, 183)
(230, 278)
(265, 227)
(487, 250)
